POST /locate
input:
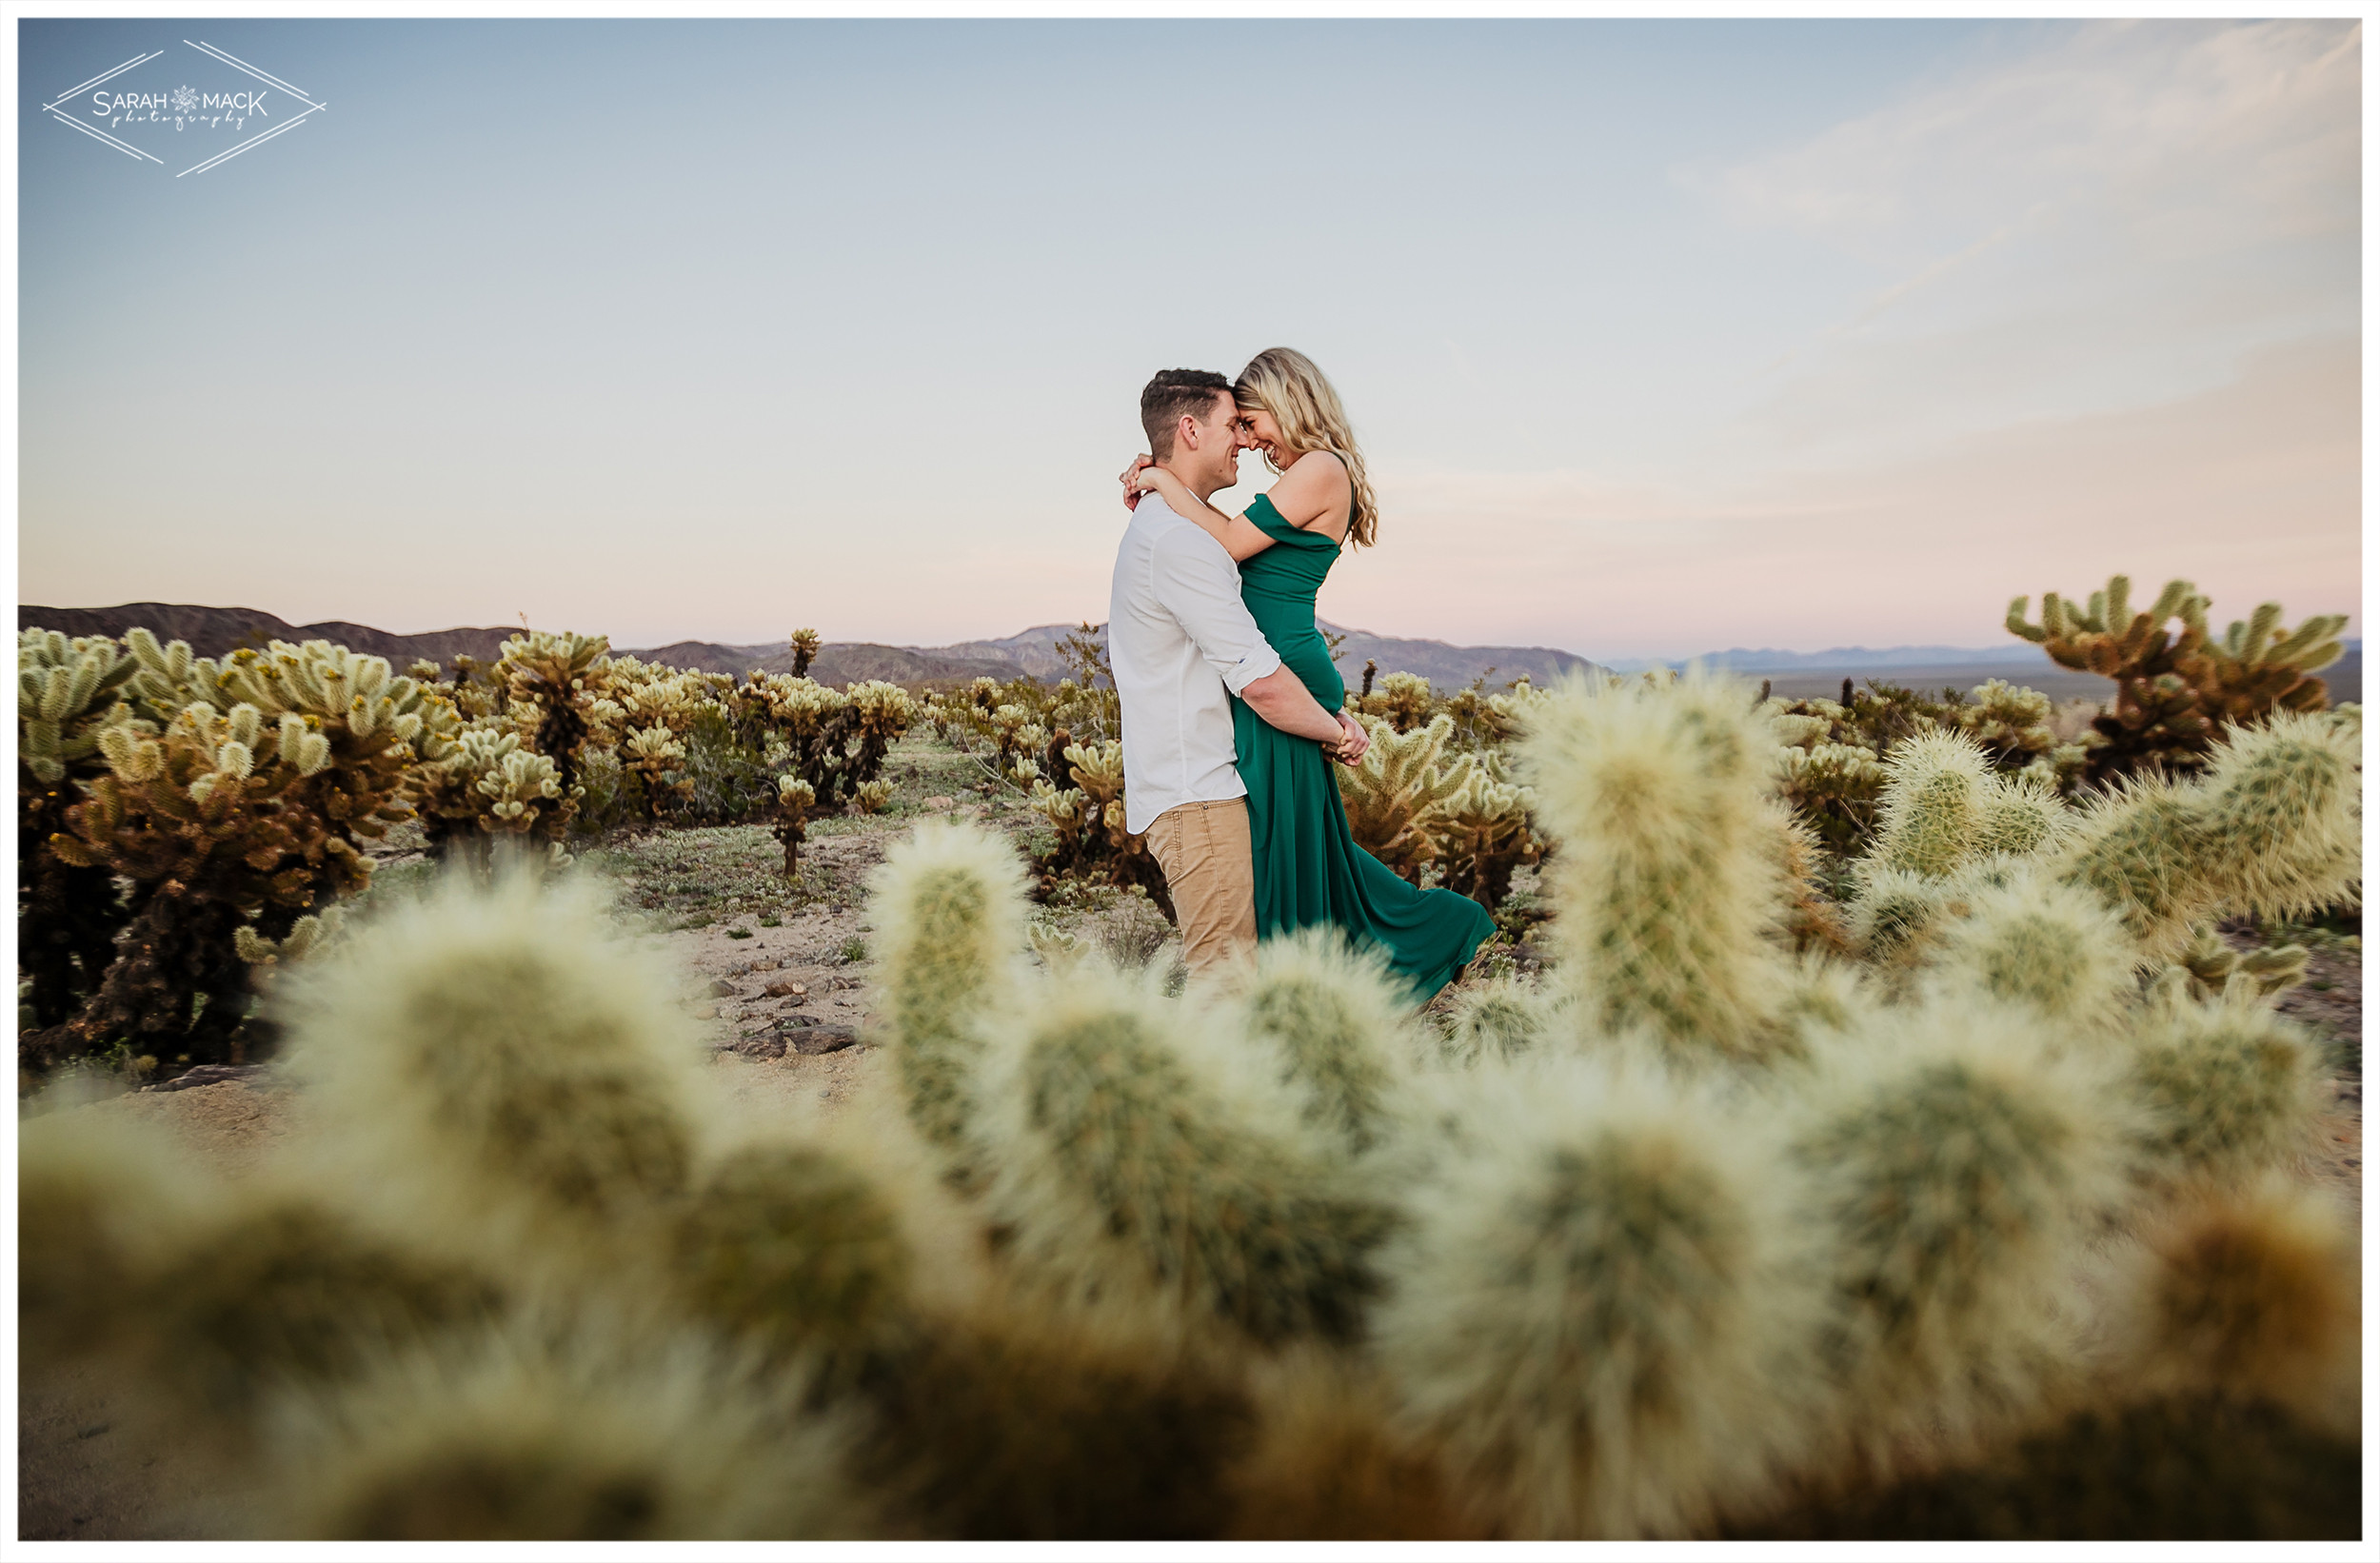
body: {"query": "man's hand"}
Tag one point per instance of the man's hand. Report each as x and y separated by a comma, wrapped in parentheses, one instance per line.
(1134, 490)
(1350, 751)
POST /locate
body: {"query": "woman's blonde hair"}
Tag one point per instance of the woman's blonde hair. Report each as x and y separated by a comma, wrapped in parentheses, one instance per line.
(1284, 383)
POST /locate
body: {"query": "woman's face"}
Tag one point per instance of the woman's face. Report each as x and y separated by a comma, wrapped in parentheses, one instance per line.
(1264, 433)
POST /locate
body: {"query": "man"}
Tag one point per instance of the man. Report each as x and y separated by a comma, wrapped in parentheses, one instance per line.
(1179, 640)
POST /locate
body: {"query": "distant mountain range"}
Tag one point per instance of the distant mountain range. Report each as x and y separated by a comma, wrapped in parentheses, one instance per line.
(1772, 660)
(211, 632)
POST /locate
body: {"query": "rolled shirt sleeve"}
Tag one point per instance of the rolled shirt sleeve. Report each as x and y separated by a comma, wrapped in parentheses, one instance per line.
(1197, 582)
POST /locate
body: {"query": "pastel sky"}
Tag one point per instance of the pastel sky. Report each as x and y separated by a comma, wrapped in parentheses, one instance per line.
(1660, 337)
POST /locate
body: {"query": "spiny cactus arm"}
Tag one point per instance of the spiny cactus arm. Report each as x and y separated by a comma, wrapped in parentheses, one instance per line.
(1337, 1022)
(2232, 1089)
(2313, 645)
(948, 905)
(1599, 1304)
(1141, 1151)
(1959, 1154)
(2021, 629)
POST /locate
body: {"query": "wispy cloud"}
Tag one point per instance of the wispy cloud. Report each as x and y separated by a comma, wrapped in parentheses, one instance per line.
(2098, 221)
(2207, 130)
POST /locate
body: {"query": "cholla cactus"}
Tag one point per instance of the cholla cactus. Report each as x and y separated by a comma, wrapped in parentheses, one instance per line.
(1395, 796)
(2236, 1088)
(948, 905)
(2282, 807)
(1811, 921)
(2047, 947)
(797, 1249)
(489, 786)
(1136, 1151)
(1014, 1416)
(2273, 827)
(2251, 1294)
(552, 682)
(67, 914)
(530, 1435)
(1498, 1020)
(1808, 1221)
(2020, 817)
(1667, 891)
(2012, 722)
(1835, 786)
(1956, 1159)
(2209, 968)
(1093, 844)
(307, 935)
(872, 797)
(65, 689)
(1330, 1463)
(657, 759)
(1337, 1020)
(503, 1060)
(1482, 833)
(1402, 700)
(1950, 827)
(795, 798)
(805, 647)
(837, 739)
(203, 1299)
(2176, 688)
(1933, 804)
(245, 803)
(99, 1211)
(1600, 1312)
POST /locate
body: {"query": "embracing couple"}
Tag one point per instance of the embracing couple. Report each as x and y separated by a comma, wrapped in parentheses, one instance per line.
(1231, 713)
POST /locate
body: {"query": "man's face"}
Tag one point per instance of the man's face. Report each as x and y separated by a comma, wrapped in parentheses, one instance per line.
(1223, 435)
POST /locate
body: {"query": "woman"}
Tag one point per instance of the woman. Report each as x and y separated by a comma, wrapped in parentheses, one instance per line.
(1308, 868)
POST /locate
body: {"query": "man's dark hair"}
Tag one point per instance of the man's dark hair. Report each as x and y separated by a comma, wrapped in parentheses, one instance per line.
(1171, 394)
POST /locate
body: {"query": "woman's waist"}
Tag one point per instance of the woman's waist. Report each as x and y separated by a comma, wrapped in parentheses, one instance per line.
(1280, 618)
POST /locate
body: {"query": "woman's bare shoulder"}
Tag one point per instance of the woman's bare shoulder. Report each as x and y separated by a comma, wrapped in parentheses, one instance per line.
(1318, 463)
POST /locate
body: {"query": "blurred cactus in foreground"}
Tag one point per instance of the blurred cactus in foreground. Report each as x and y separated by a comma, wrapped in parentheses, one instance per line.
(1985, 1223)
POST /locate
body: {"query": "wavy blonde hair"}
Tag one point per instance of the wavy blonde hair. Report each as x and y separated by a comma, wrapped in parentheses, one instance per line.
(1284, 383)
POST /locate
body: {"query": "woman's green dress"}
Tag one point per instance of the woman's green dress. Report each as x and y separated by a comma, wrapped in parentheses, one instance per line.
(1308, 868)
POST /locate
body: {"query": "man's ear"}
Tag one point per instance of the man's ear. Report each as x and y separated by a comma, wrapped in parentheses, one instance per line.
(1185, 432)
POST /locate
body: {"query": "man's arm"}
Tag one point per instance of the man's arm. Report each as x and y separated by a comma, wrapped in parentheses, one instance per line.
(1195, 582)
(1282, 700)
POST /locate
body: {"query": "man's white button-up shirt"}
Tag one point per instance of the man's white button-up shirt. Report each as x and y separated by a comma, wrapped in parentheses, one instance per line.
(1178, 637)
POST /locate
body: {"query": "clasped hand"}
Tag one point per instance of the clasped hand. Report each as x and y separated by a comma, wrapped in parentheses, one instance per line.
(1134, 487)
(1349, 750)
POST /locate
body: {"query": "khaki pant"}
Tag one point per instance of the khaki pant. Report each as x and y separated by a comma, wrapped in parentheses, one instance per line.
(1204, 850)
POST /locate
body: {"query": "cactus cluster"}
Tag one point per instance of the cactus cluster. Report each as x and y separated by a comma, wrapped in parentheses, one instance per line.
(833, 740)
(2177, 688)
(1416, 808)
(1086, 818)
(68, 916)
(1832, 751)
(1700, 1235)
(560, 737)
(233, 796)
(1018, 731)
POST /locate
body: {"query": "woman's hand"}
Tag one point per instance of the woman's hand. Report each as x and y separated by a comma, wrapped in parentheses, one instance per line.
(1134, 486)
(1351, 748)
